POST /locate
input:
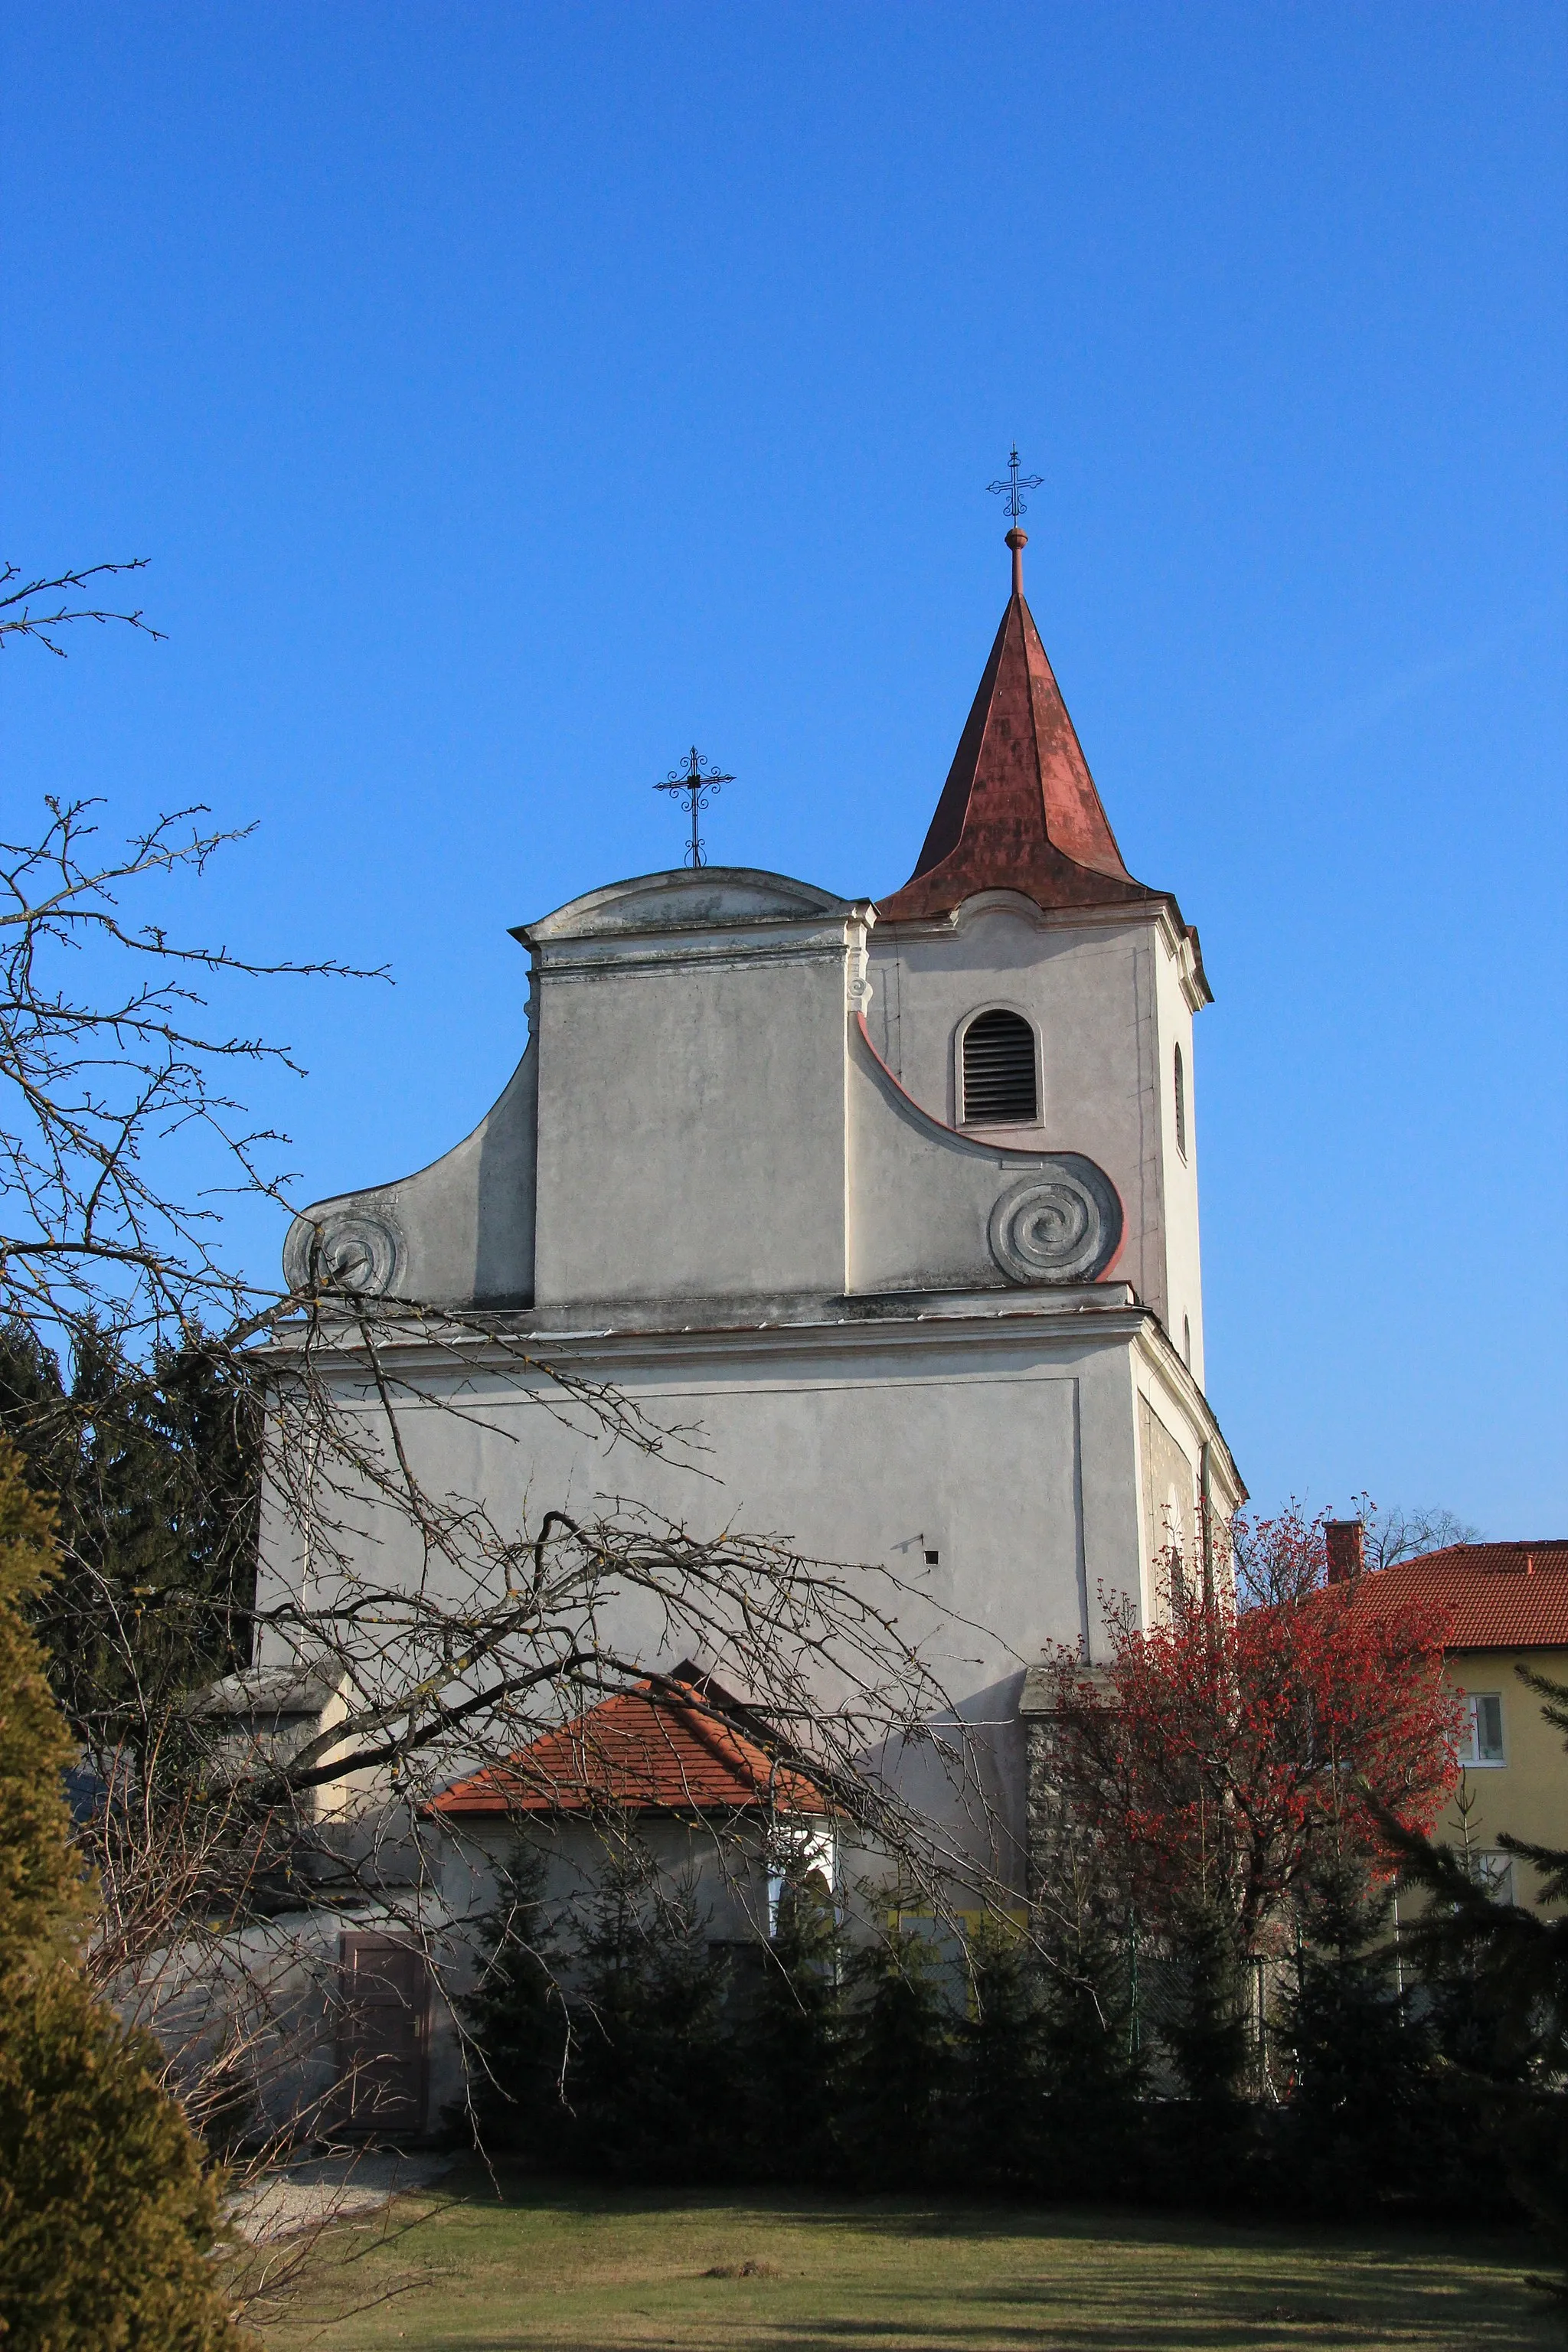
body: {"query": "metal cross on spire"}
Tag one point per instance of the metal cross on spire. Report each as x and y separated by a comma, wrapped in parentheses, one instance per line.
(1012, 486)
(697, 782)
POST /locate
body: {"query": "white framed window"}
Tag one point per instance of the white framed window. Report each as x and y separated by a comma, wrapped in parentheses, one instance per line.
(1493, 1874)
(998, 1078)
(1180, 1095)
(1480, 1733)
(805, 1854)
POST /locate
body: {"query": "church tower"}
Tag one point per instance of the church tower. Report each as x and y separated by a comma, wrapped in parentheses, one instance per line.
(1022, 933)
(896, 1201)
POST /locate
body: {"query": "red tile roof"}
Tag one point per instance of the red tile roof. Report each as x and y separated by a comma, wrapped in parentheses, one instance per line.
(1498, 1596)
(644, 1751)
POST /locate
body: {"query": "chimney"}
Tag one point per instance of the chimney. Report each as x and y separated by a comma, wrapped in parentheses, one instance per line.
(1344, 1539)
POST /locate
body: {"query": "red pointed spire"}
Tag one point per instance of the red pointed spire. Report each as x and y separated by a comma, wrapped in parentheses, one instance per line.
(1019, 810)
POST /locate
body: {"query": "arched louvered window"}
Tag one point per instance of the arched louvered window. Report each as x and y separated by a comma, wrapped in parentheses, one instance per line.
(1181, 1105)
(999, 1087)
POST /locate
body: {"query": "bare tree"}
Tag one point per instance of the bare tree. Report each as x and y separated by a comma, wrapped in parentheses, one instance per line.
(113, 1080)
(1279, 1561)
(446, 1639)
(1395, 1533)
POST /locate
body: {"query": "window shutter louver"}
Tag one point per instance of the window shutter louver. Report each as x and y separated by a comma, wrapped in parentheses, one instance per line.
(999, 1072)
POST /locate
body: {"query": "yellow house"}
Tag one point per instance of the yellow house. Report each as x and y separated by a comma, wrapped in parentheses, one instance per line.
(1507, 1604)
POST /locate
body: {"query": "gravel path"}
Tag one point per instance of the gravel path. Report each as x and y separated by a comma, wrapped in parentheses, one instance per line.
(328, 2189)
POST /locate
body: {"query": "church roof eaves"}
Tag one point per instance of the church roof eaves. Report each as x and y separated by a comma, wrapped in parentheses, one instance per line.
(1156, 904)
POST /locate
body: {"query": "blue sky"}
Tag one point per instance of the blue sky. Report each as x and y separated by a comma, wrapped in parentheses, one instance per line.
(510, 396)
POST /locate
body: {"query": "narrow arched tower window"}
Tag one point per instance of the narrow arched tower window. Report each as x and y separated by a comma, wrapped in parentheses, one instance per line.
(1181, 1105)
(999, 1087)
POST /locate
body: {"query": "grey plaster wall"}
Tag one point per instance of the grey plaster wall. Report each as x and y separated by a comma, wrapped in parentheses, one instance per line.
(691, 1132)
(702, 1115)
(923, 1197)
(1000, 1436)
(758, 1220)
(458, 1233)
(1103, 990)
(1178, 1160)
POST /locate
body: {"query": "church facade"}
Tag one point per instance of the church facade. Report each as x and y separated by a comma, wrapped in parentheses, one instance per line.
(895, 1202)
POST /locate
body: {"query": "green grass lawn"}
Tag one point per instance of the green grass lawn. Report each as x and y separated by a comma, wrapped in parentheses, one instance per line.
(541, 2264)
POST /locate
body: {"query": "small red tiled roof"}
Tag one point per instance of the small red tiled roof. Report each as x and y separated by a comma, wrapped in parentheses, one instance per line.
(1498, 1596)
(647, 1750)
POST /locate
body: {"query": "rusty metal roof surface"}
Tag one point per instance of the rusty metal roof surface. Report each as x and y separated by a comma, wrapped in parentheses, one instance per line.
(1019, 810)
(1498, 1596)
(644, 1751)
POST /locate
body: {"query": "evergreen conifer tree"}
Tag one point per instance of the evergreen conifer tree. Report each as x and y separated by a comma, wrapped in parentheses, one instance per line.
(1206, 2031)
(152, 1473)
(1500, 1970)
(107, 2214)
(1001, 2063)
(1093, 2066)
(788, 2045)
(1206, 2028)
(649, 2086)
(898, 2060)
(1363, 2123)
(518, 2019)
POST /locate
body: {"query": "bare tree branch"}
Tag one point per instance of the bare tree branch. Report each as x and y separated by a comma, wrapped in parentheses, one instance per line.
(18, 618)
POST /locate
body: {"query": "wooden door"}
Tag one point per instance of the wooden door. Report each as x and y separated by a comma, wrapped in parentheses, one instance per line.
(384, 2035)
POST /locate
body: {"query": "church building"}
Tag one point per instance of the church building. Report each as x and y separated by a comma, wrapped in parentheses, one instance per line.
(894, 1201)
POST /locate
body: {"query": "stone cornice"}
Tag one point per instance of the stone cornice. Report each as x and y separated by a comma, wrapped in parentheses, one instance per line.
(1160, 912)
(671, 1331)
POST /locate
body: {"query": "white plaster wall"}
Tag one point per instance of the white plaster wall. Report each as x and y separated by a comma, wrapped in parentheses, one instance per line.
(1104, 993)
(464, 1225)
(721, 1867)
(691, 1133)
(1010, 1453)
(919, 1195)
(1176, 1397)
(691, 1096)
(1178, 1173)
(698, 1118)
(1086, 985)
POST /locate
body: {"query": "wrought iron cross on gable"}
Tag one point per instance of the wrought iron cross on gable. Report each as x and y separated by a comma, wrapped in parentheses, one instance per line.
(1012, 487)
(696, 782)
